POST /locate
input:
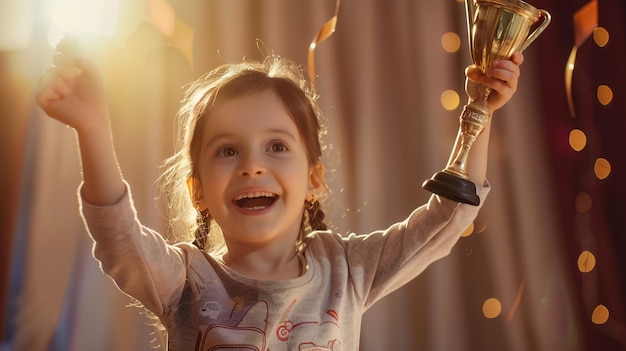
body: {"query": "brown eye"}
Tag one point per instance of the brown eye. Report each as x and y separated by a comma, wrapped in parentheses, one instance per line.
(278, 147)
(227, 151)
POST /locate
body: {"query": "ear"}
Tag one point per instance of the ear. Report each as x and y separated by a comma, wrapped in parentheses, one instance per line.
(316, 179)
(195, 191)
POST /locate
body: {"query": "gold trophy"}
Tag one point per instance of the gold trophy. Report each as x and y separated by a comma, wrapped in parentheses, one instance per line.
(496, 30)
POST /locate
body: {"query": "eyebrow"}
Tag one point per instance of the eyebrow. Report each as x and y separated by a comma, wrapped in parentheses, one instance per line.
(280, 131)
(283, 132)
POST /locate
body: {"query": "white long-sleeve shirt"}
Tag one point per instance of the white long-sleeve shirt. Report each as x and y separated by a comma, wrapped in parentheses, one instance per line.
(205, 305)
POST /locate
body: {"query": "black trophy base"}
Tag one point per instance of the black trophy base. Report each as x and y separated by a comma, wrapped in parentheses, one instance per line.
(452, 187)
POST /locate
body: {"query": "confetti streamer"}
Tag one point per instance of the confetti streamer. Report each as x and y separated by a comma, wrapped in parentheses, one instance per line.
(325, 32)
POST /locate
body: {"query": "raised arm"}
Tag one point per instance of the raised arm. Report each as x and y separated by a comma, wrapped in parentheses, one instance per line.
(502, 78)
(72, 92)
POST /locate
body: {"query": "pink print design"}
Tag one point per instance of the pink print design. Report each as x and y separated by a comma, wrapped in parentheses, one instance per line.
(248, 334)
(300, 334)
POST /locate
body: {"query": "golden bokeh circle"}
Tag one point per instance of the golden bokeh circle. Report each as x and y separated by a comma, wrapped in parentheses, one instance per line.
(586, 262)
(602, 168)
(492, 308)
(604, 94)
(451, 42)
(450, 100)
(600, 314)
(583, 202)
(577, 139)
(600, 36)
(469, 231)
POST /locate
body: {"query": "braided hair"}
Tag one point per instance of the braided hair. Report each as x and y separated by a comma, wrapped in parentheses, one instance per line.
(287, 80)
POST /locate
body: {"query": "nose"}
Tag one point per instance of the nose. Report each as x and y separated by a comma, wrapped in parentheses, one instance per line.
(251, 165)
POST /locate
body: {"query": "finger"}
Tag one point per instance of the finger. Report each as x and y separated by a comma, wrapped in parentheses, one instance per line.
(51, 97)
(502, 82)
(58, 80)
(60, 87)
(66, 74)
(503, 67)
(505, 71)
(64, 59)
(68, 45)
(473, 73)
(45, 96)
(88, 68)
(501, 77)
(518, 58)
(501, 87)
(67, 52)
(47, 76)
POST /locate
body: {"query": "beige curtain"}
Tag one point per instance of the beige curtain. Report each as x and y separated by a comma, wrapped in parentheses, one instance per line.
(380, 77)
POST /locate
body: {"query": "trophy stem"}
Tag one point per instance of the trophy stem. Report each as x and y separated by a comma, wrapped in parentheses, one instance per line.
(454, 182)
(473, 120)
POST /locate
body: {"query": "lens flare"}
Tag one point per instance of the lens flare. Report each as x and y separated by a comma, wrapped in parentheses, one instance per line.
(92, 17)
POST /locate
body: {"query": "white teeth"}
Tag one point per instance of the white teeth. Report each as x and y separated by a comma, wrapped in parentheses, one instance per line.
(253, 195)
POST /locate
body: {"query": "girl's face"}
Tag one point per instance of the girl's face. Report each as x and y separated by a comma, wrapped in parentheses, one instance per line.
(253, 171)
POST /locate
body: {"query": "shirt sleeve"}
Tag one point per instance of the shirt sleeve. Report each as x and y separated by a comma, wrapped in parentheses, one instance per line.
(137, 258)
(383, 261)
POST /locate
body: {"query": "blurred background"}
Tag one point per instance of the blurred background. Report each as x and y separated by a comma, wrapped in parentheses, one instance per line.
(544, 267)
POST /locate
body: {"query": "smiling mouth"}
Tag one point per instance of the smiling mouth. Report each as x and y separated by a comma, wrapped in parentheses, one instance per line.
(255, 201)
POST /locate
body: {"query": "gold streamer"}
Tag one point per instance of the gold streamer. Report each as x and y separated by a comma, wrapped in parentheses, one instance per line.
(325, 32)
(585, 20)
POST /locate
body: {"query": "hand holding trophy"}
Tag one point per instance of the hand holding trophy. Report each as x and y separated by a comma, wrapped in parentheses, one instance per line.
(496, 30)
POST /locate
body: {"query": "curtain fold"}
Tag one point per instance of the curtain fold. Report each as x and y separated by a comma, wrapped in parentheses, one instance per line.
(380, 80)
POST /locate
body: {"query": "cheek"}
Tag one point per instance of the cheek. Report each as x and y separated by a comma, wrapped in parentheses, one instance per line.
(299, 180)
(213, 181)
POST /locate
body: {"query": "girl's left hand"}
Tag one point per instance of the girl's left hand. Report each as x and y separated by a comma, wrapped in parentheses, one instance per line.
(502, 78)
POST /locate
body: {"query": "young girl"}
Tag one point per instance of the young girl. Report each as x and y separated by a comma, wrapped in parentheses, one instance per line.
(253, 266)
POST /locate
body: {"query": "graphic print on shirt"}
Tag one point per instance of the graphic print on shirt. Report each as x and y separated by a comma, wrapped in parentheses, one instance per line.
(312, 335)
(250, 332)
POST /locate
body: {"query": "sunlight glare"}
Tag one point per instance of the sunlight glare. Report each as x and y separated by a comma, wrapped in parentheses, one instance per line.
(15, 24)
(93, 17)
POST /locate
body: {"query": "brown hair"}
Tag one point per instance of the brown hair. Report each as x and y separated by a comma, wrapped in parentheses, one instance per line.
(229, 81)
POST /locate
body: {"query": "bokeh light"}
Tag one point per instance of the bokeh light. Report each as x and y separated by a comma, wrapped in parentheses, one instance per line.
(469, 231)
(492, 308)
(450, 100)
(586, 262)
(600, 314)
(605, 94)
(602, 168)
(583, 202)
(600, 36)
(577, 139)
(451, 42)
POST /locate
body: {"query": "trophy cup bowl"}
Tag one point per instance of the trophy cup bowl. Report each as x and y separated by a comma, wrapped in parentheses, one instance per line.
(496, 30)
